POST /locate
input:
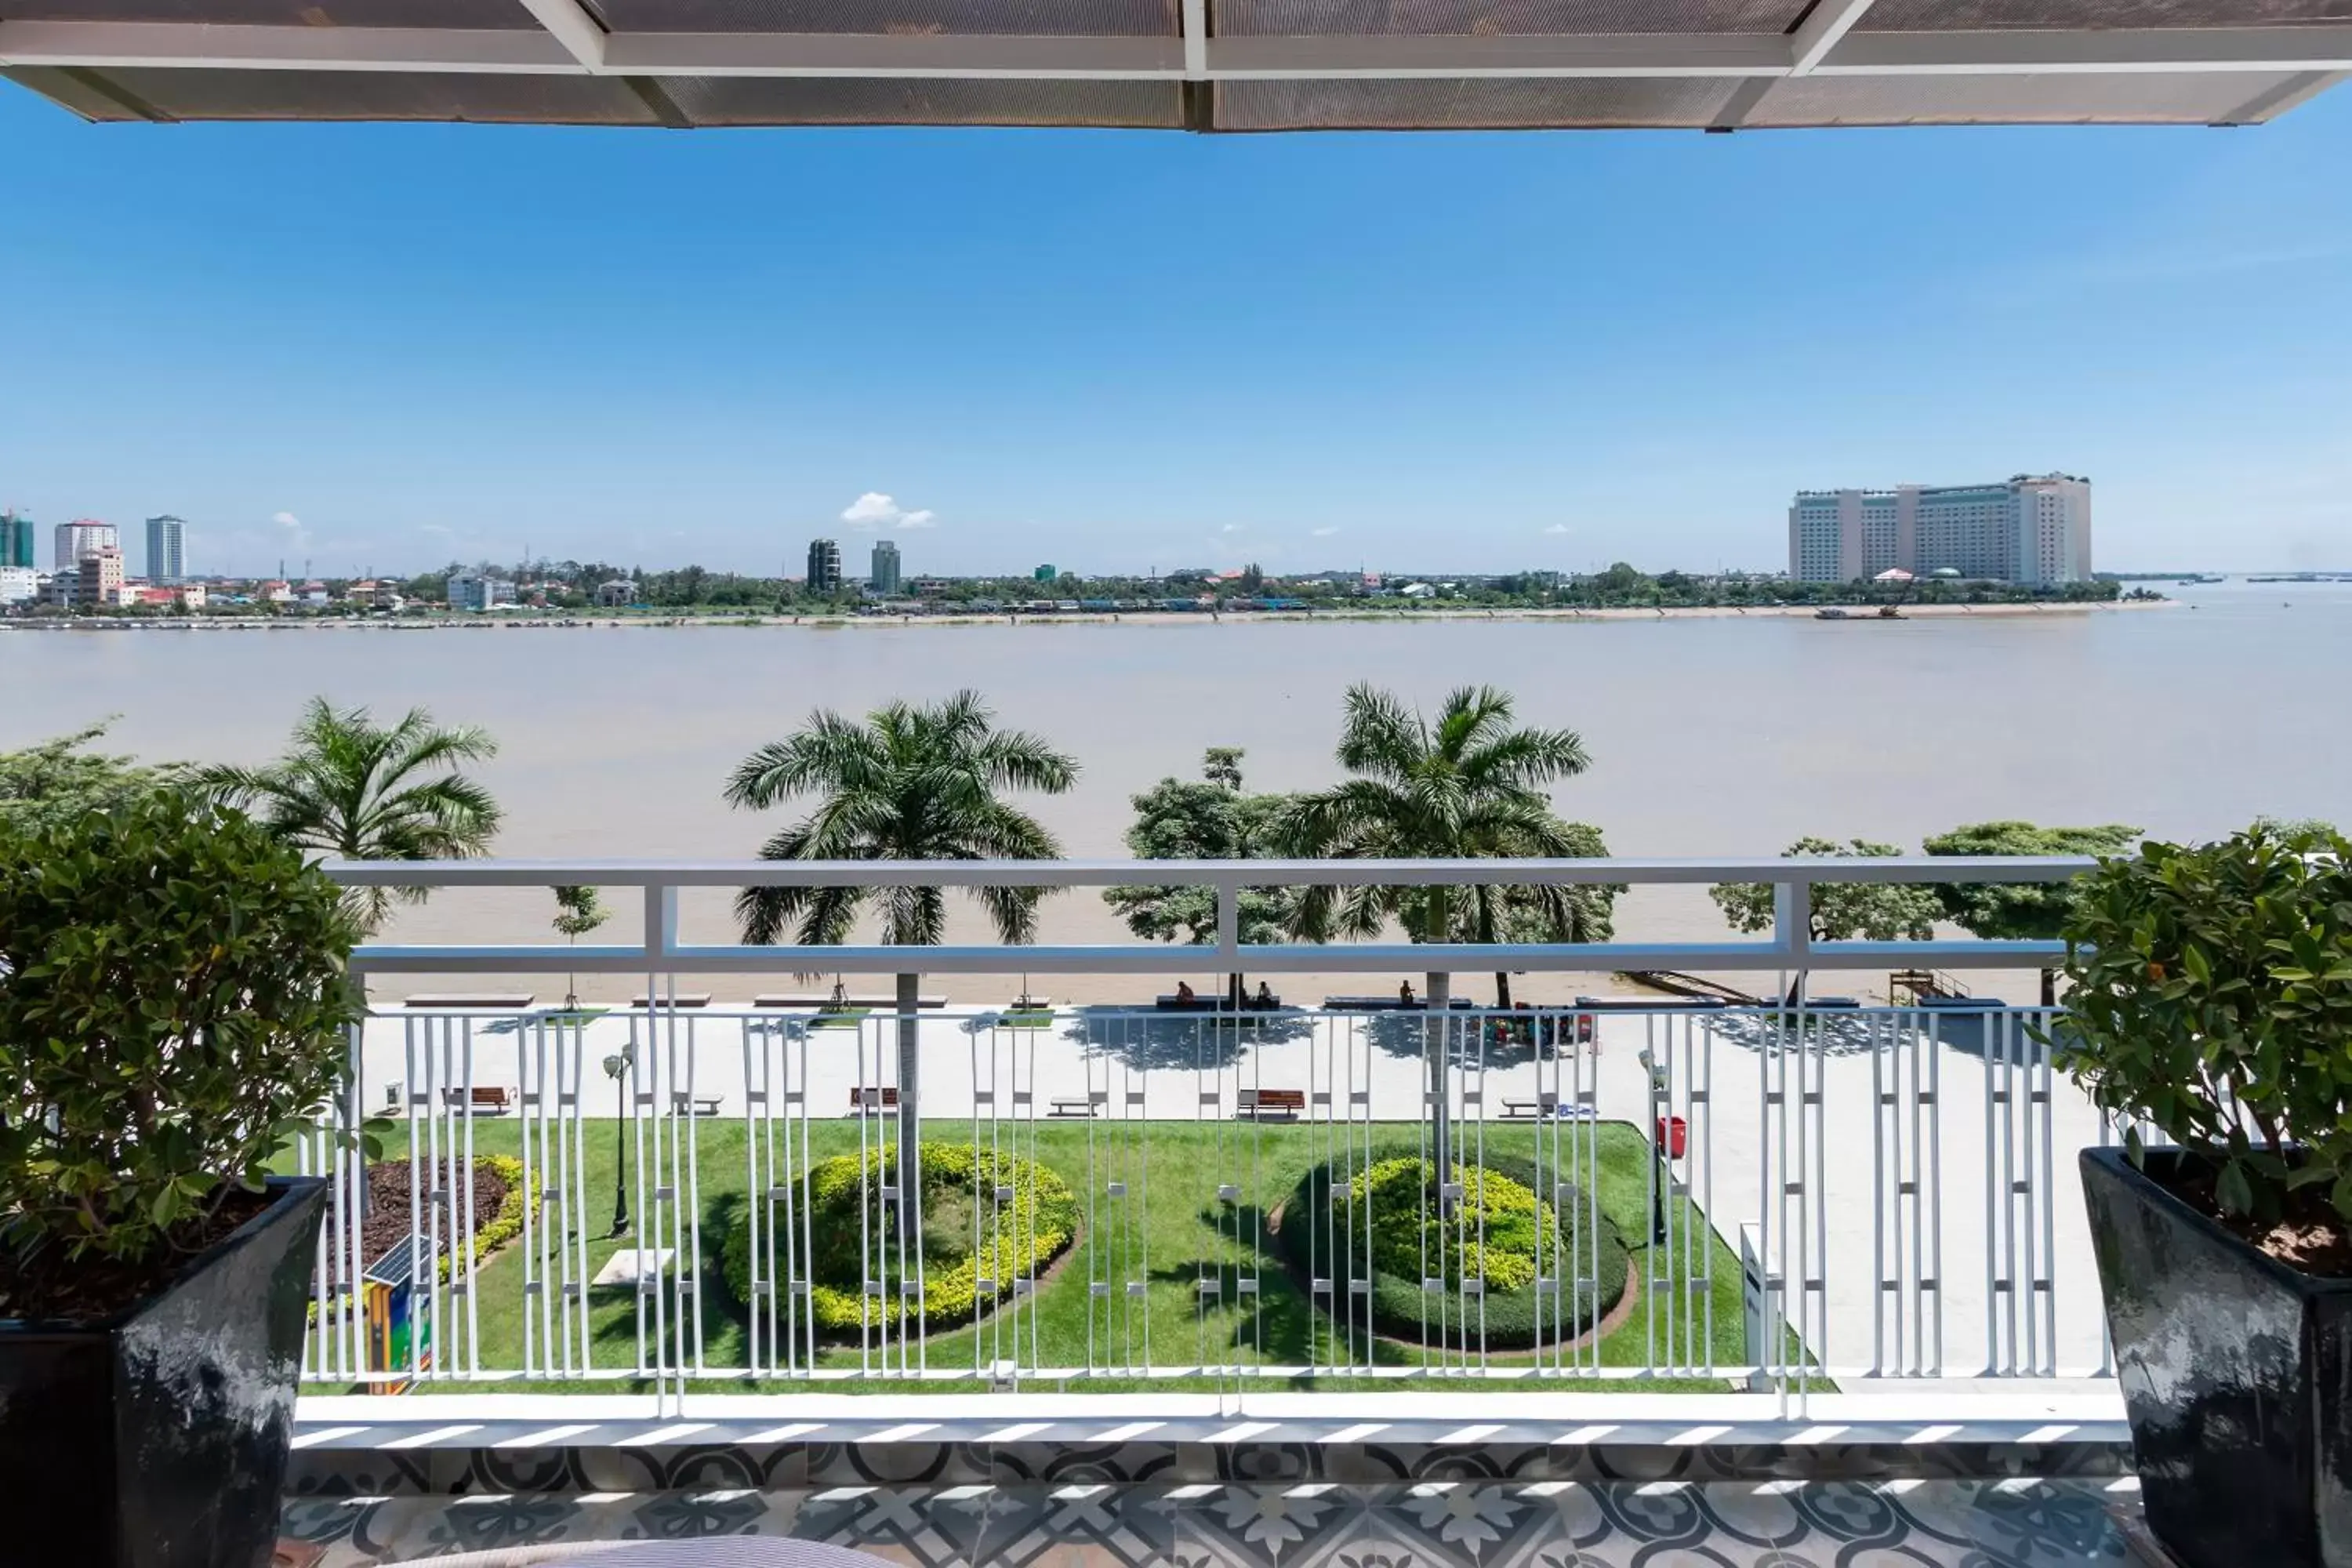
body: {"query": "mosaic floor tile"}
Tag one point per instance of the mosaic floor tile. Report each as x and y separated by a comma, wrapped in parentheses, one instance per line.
(1463, 1521)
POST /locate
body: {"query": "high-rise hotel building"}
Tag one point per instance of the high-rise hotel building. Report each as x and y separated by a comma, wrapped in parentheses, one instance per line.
(2034, 528)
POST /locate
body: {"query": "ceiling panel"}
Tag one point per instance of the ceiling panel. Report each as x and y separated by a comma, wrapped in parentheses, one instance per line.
(1497, 19)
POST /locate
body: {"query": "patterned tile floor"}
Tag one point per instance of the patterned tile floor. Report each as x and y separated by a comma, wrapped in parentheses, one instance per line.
(2015, 1523)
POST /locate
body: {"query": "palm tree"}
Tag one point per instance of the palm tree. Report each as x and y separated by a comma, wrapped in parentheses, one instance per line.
(908, 783)
(350, 787)
(1469, 785)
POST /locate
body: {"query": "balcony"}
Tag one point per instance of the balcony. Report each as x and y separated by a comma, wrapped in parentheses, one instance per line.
(1805, 1277)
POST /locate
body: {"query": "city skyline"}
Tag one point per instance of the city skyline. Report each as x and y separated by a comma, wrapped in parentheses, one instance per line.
(993, 346)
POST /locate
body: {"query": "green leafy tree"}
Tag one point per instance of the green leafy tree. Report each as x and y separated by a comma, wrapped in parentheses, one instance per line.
(1210, 818)
(1469, 785)
(578, 911)
(173, 1014)
(1838, 912)
(1528, 913)
(908, 782)
(2020, 911)
(58, 780)
(351, 788)
(2211, 998)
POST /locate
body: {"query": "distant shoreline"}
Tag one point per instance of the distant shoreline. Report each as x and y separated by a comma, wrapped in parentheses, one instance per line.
(749, 621)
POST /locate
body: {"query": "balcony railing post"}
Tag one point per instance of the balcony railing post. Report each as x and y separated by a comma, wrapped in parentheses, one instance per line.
(1793, 929)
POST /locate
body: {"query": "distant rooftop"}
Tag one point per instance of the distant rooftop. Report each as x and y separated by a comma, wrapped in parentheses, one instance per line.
(1198, 65)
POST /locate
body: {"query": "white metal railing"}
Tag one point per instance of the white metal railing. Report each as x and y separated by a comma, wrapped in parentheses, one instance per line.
(662, 951)
(1940, 1242)
(1771, 1240)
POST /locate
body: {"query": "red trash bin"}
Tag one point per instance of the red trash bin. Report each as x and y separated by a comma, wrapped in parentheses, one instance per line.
(1673, 1136)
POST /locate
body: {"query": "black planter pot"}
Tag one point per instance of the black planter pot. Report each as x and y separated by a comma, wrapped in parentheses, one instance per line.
(158, 1440)
(2236, 1371)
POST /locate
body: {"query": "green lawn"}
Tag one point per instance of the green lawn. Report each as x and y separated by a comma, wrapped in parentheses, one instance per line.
(1176, 1216)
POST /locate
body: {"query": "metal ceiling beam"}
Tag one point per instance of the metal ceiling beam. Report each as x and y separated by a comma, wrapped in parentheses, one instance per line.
(2277, 100)
(2314, 55)
(1828, 21)
(1195, 16)
(178, 44)
(569, 24)
(887, 55)
(2312, 49)
(1395, 56)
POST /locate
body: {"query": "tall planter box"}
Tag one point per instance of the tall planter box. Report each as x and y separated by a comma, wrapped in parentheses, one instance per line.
(158, 1440)
(2236, 1373)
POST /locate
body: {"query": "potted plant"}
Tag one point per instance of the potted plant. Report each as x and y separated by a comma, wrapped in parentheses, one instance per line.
(173, 1003)
(2211, 1005)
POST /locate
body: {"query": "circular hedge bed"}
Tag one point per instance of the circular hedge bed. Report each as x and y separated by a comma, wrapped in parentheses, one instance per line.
(847, 1218)
(1501, 1233)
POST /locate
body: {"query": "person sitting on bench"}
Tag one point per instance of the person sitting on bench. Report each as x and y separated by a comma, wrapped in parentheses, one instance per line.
(1183, 991)
(1404, 994)
(1264, 994)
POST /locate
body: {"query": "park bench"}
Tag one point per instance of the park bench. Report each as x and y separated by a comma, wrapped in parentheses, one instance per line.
(1547, 1107)
(1075, 1105)
(863, 1098)
(1258, 1103)
(486, 1099)
(703, 1104)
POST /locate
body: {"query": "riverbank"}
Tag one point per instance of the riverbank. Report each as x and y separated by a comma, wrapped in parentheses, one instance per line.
(596, 622)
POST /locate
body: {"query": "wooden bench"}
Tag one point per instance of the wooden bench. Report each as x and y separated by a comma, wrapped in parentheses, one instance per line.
(704, 1104)
(683, 999)
(870, 1100)
(1290, 1104)
(779, 1000)
(487, 1099)
(453, 1001)
(1076, 1105)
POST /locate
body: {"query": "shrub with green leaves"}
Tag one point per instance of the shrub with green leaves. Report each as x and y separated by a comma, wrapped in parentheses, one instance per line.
(1494, 1233)
(172, 1001)
(1384, 1227)
(848, 1225)
(2212, 999)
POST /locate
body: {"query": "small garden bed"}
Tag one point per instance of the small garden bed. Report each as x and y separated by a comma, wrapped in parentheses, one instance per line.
(968, 1234)
(1385, 1226)
(496, 1206)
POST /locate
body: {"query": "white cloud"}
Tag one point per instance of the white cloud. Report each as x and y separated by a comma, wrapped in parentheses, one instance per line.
(1327, 533)
(1231, 528)
(293, 535)
(874, 509)
(1559, 528)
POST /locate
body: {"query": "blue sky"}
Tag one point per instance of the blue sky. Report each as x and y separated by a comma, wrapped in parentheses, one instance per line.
(384, 347)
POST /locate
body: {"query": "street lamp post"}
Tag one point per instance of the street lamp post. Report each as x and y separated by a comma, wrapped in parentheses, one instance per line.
(1661, 1174)
(616, 1068)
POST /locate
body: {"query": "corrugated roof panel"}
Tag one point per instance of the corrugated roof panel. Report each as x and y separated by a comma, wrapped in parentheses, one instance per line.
(949, 19)
(1497, 19)
(1476, 103)
(865, 100)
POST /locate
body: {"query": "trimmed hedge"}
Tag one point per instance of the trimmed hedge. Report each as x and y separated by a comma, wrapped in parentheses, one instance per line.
(1017, 1238)
(1323, 1235)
